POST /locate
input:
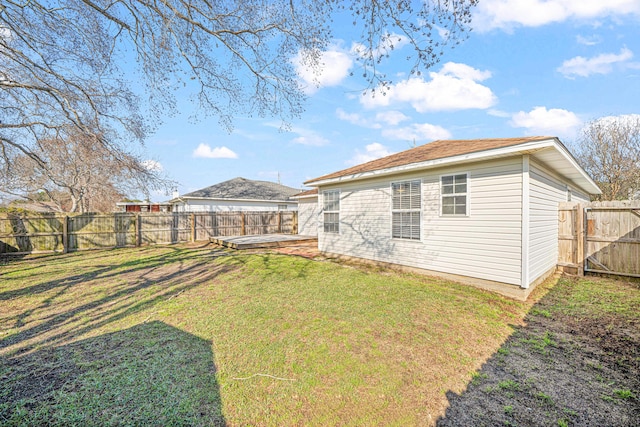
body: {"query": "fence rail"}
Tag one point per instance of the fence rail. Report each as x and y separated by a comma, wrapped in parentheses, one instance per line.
(21, 234)
(600, 237)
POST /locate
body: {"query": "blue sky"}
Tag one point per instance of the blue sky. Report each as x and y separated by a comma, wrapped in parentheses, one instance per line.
(529, 67)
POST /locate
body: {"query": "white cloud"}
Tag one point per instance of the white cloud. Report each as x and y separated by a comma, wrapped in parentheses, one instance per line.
(333, 68)
(391, 118)
(6, 34)
(309, 137)
(552, 122)
(443, 32)
(387, 118)
(371, 152)
(417, 132)
(589, 40)
(506, 14)
(353, 118)
(498, 113)
(206, 152)
(463, 71)
(454, 87)
(152, 165)
(601, 64)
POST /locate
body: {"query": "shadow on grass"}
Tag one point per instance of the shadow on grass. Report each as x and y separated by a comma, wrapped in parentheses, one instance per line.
(567, 367)
(149, 374)
(137, 284)
(98, 269)
(9, 258)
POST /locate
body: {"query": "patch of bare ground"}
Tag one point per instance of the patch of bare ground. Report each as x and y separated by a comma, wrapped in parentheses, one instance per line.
(575, 363)
(307, 250)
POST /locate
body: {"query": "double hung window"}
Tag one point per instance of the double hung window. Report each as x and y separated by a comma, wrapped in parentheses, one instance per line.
(405, 210)
(454, 194)
(331, 210)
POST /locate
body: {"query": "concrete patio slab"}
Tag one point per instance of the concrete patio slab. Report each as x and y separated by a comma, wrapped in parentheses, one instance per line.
(262, 241)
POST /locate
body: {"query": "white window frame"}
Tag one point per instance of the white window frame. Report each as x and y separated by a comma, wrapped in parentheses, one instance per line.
(454, 194)
(409, 211)
(332, 212)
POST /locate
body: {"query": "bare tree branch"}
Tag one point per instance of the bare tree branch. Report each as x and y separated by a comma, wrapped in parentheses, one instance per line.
(66, 66)
(79, 173)
(609, 150)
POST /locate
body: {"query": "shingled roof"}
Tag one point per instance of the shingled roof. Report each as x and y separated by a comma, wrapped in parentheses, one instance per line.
(435, 150)
(306, 193)
(244, 189)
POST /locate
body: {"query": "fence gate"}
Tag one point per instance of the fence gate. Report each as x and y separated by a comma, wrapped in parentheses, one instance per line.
(612, 240)
(600, 237)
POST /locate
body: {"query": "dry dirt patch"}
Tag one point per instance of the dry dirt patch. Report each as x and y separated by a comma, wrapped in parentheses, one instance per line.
(575, 363)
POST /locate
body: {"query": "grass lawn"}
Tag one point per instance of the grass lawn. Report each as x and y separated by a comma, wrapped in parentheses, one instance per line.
(186, 335)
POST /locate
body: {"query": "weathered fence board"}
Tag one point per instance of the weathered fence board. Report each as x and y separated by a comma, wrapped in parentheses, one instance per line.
(601, 237)
(38, 233)
(92, 231)
(58, 233)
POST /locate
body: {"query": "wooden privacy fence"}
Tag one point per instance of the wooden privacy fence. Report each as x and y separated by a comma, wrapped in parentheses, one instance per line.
(64, 233)
(600, 237)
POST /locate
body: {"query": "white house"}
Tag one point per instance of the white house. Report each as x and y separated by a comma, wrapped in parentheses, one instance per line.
(238, 194)
(308, 212)
(484, 211)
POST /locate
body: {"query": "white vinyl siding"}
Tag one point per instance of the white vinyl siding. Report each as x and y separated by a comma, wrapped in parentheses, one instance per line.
(545, 193)
(308, 212)
(405, 205)
(579, 197)
(203, 205)
(331, 211)
(485, 245)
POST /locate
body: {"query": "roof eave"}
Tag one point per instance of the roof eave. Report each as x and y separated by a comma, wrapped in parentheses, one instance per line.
(308, 196)
(583, 181)
(444, 161)
(587, 184)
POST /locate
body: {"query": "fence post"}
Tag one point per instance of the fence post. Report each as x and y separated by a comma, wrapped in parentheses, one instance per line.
(242, 228)
(193, 227)
(294, 223)
(138, 230)
(279, 221)
(580, 237)
(65, 234)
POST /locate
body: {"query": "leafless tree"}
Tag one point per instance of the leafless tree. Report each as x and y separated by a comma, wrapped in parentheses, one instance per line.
(79, 174)
(609, 150)
(70, 63)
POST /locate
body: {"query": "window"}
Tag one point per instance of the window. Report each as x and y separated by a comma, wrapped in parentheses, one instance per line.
(331, 207)
(453, 190)
(405, 210)
(282, 207)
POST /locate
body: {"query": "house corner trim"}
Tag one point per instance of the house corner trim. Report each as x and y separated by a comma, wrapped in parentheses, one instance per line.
(524, 263)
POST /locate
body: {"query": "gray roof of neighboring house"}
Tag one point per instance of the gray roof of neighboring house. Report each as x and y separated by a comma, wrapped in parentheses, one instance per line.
(245, 189)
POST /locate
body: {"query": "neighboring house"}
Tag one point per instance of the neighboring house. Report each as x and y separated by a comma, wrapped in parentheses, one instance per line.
(238, 194)
(143, 207)
(308, 212)
(483, 210)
